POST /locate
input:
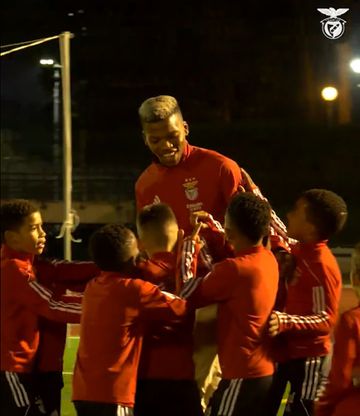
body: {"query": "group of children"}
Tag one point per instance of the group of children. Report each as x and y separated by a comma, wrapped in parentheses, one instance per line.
(136, 314)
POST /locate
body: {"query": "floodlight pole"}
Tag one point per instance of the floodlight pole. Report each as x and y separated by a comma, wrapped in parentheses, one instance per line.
(67, 150)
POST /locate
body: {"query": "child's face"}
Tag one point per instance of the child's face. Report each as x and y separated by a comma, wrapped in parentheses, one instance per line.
(231, 233)
(298, 225)
(30, 237)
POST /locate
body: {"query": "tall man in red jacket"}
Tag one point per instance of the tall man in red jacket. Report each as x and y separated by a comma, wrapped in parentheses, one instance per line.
(190, 179)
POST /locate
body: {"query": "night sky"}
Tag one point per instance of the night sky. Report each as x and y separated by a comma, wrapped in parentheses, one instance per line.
(248, 76)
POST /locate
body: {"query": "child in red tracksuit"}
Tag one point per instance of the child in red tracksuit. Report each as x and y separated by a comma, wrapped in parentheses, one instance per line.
(244, 287)
(342, 393)
(58, 276)
(23, 302)
(166, 383)
(116, 311)
(312, 301)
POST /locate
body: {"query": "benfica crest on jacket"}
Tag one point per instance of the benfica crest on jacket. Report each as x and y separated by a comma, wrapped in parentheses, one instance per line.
(191, 188)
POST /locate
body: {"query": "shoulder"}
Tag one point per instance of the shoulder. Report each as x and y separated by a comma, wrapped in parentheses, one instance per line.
(350, 318)
(15, 267)
(227, 266)
(145, 175)
(214, 157)
(140, 286)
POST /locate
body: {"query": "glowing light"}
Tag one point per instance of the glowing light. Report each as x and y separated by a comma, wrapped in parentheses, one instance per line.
(355, 65)
(329, 93)
(47, 62)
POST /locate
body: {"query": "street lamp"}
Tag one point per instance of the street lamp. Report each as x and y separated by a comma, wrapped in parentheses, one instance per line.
(50, 63)
(329, 94)
(355, 65)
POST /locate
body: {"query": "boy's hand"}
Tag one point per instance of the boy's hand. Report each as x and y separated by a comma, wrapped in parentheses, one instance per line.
(274, 325)
(195, 234)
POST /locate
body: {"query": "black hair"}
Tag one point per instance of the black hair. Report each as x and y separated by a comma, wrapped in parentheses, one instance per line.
(14, 213)
(326, 210)
(109, 246)
(250, 214)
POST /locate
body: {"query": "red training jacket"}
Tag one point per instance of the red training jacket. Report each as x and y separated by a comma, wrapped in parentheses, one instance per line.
(341, 397)
(245, 290)
(115, 312)
(312, 302)
(23, 301)
(58, 276)
(161, 344)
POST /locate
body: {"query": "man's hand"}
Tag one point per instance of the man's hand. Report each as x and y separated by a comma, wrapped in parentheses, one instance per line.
(274, 325)
(199, 216)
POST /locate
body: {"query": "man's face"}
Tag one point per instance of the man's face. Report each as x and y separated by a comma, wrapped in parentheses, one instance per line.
(298, 224)
(166, 139)
(30, 237)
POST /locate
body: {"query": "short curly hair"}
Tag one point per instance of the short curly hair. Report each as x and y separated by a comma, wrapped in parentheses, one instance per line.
(13, 214)
(250, 214)
(109, 246)
(326, 210)
(158, 108)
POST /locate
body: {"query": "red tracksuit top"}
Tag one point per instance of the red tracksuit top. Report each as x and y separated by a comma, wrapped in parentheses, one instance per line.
(58, 276)
(115, 312)
(312, 302)
(245, 290)
(23, 302)
(203, 180)
(161, 344)
(340, 393)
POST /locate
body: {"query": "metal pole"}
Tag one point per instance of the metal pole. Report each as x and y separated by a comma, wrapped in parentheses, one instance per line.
(56, 127)
(67, 155)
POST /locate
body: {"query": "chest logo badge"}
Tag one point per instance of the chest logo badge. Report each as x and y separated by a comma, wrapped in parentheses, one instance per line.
(191, 188)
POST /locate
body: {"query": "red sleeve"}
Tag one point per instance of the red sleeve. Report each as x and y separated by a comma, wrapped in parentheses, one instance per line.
(340, 377)
(215, 287)
(231, 179)
(158, 305)
(325, 305)
(70, 275)
(139, 196)
(40, 300)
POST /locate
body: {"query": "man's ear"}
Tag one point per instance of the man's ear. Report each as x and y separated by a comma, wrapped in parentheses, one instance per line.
(186, 128)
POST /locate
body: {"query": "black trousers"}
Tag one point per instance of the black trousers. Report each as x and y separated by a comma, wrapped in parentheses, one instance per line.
(307, 378)
(85, 408)
(167, 397)
(49, 385)
(19, 396)
(240, 397)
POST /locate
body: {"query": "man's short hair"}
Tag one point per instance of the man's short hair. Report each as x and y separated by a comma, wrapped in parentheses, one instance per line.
(155, 215)
(158, 108)
(326, 210)
(109, 246)
(14, 213)
(250, 215)
(155, 219)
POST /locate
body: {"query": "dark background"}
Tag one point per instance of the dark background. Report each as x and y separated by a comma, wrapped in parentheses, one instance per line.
(248, 78)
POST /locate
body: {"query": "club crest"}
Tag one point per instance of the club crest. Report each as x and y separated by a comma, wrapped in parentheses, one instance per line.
(333, 27)
(191, 189)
